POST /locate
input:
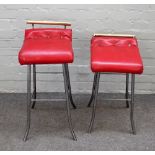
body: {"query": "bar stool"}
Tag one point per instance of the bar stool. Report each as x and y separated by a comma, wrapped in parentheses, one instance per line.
(47, 46)
(118, 54)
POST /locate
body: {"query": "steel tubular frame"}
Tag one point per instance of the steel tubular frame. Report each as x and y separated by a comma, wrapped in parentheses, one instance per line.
(32, 99)
(127, 90)
(68, 100)
(28, 102)
(95, 93)
(34, 95)
(126, 93)
(34, 86)
(93, 99)
(132, 104)
(69, 86)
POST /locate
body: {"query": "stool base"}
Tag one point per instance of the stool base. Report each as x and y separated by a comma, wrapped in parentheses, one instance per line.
(34, 95)
(129, 102)
(69, 100)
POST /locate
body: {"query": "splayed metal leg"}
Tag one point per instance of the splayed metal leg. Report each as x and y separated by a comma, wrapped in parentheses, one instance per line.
(127, 90)
(28, 102)
(93, 90)
(132, 104)
(69, 86)
(94, 102)
(68, 103)
(34, 86)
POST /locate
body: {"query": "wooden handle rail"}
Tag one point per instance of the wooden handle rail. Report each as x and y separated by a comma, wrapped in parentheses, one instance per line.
(48, 23)
(114, 35)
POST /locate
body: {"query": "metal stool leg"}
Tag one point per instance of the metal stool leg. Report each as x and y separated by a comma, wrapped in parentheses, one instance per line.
(68, 103)
(28, 102)
(132, 104)
(69, 86)
(93, 91)
(94, 102)
(34, 86)
(127, 90)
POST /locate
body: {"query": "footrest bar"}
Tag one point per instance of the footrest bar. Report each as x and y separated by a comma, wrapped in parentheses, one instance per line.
(116, 99)
(50, 72)
(45, 100)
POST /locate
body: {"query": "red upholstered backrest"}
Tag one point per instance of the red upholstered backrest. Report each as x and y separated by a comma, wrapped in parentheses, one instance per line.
(113, 41)
(48, 33)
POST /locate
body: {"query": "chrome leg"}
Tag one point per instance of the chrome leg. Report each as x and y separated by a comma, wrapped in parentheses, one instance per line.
(94, 102)
(68, 103)
(34, 86)
(93, 91)
(127, 90)
(132, 104)
(69, 86)
(28, 102)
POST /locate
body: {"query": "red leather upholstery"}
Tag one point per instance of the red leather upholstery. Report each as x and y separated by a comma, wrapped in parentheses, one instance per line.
(115, 54)
(46, 46)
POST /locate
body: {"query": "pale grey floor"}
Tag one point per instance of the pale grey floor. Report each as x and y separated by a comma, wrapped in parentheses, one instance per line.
(49, 129)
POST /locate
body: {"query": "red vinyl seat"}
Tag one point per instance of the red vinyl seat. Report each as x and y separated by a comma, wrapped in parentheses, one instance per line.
(115, 54)
(46, 46)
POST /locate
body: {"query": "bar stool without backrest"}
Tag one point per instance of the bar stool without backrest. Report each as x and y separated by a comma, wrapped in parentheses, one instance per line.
(47, 46)
(112, 53)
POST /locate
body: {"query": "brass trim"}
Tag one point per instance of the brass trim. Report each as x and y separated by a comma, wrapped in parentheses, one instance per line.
(114, 35)
(48, 23)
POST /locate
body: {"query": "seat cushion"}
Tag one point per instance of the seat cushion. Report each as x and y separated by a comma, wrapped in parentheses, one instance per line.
(115, 54)
(46, 46)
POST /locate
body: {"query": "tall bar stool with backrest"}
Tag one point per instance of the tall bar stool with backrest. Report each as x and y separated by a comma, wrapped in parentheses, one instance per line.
(118, 54)
(47, 46)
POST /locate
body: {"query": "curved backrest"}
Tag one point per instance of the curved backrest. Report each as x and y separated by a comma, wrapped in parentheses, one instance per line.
(48, 33)
(114, 41)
